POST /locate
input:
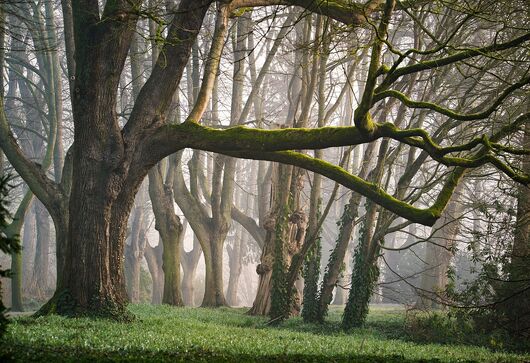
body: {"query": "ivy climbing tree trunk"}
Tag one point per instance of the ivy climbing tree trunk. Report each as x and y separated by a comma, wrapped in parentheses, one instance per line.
(346, 227)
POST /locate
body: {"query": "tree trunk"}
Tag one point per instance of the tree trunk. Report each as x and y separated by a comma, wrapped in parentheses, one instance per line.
(28, 246)
(94, 281)
(346, 228)
(389, 294)
(11, 232)
(438, 255)
(189, 263)
(171, 232)
(234, 261)
(344, 280)
(213, 289)
(171, 266)
(262, 301)
(153, 256)
(42, 255)
(134, 251)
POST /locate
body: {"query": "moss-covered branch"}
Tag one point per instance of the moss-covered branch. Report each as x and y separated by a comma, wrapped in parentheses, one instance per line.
(367, 189)
(171, 138)
(362, 117)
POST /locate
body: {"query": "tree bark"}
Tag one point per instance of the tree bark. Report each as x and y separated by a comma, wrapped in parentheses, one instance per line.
(135, 251)
(28, 245)
(42, 252)
(153, 256)
(189, 262)
(235, 263)
(213, 289)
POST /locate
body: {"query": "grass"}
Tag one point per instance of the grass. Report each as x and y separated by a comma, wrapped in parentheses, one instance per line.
(163, 333)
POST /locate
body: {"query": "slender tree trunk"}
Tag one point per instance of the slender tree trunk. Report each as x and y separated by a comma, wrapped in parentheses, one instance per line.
(135, 249)
(171, 231)
(11, 232)
(153, 256)
(42, 255)
(189, 263)
(365, 273)
(28, 246)
(234, 261)
(346, 228)
(391, 258)
(439, 252)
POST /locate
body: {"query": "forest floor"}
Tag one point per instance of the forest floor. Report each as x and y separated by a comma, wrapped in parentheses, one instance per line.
(163, 333)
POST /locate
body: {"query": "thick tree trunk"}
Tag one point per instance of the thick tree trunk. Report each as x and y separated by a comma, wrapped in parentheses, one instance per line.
(94, 278)
(213, 289)
(171, 266)
(262, 301)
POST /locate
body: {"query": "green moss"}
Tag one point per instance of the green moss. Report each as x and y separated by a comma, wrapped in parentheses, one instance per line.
(63, 304)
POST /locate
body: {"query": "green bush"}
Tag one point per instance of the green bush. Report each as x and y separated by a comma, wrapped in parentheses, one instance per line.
(459, 327)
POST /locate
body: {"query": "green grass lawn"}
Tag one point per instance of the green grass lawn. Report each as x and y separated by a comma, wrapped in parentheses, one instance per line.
(163, 333)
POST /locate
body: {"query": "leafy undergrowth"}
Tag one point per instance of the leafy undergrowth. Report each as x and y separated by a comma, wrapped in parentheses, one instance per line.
(163, 333)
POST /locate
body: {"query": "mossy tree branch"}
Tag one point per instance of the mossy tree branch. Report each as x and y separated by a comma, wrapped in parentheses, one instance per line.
(367, 189)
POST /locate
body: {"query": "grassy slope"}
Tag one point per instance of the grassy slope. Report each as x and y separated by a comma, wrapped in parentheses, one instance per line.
(163, 333)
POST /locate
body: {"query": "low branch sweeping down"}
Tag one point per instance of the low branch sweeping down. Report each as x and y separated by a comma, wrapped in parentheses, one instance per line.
(275, 145)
